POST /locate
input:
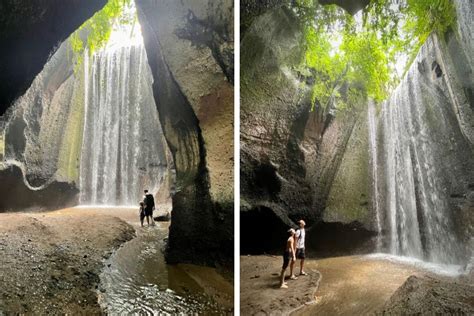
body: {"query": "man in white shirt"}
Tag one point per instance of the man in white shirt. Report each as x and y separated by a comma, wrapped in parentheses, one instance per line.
(300, 239)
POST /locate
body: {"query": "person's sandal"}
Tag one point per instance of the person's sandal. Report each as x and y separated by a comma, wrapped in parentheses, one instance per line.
(283, 286)
(303, 273)
(293, 277)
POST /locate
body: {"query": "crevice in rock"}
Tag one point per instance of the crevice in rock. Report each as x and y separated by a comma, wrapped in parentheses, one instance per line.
(214, 35)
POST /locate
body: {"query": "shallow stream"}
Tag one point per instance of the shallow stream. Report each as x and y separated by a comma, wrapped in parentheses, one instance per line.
(136, 279)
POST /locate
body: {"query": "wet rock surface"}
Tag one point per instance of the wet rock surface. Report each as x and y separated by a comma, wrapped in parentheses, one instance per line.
(50, 262)
(425, 165)
(16, 195)
(429, 296)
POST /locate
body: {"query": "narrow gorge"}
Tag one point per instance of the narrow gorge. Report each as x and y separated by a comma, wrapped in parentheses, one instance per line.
(385, 177)
(102, 100)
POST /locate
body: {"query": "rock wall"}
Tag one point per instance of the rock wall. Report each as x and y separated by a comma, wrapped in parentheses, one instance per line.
(349, 194)
(30, 32)
(190, 51)
(291, 156)
(42, 124)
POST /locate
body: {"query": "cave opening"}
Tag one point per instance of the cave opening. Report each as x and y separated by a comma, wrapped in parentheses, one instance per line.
(89, 119)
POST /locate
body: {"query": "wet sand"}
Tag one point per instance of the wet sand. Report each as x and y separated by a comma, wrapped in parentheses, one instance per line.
(50, 262)
(350, 285)
(260, 292)
(355, 285)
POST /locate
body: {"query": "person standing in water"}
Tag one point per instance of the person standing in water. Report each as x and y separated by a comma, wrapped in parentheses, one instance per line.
(149, 202)
(288, 255)
(300, 240)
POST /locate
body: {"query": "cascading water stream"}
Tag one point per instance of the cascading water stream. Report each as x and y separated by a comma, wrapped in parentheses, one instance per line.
(123, 148)
(372, 122)
(411, 179)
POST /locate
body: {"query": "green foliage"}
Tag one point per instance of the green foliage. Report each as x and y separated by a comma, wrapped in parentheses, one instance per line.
(427, 16)
(368, 63)
(95, 33)
(362, 55)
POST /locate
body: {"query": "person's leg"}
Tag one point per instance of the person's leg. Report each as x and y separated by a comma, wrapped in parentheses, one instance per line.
(148, 220)
(292, 266)
(286, 260)
(282, 279)
(301, 267)
(302, 257)
(141, 220)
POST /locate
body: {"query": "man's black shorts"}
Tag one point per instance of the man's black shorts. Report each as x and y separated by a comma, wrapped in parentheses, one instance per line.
(148, 211)
(300, 253)
(286, 259)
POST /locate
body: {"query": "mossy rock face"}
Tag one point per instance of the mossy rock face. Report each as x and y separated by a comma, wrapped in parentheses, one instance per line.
(349, 198)
(290, 156)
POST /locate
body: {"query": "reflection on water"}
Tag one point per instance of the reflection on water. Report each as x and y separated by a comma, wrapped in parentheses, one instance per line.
(137, 280)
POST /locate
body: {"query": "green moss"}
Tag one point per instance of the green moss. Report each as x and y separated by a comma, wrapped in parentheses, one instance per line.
(70, 152)
(2, 145)
(349, 196)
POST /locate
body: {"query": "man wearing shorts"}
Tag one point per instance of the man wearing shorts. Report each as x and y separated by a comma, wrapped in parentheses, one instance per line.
(300, 239)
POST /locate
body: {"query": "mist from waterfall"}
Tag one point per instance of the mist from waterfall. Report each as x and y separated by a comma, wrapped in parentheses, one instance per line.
(123, 145)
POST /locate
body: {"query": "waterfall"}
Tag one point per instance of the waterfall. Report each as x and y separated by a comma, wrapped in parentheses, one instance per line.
(422, 153)
(123, 146)
(372, 123)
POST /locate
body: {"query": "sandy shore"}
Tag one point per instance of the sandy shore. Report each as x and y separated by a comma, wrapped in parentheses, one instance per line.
(351, 285)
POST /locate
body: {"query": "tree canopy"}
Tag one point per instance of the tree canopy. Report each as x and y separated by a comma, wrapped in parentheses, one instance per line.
(95, 32)
(362, 51)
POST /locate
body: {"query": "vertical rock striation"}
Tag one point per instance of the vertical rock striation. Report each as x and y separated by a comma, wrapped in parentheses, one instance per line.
(291, 156)
(189, 49)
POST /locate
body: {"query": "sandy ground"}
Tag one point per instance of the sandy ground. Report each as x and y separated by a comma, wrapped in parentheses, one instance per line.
(50, 262)
(351, 285)
(355, 285)
(259, 287)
